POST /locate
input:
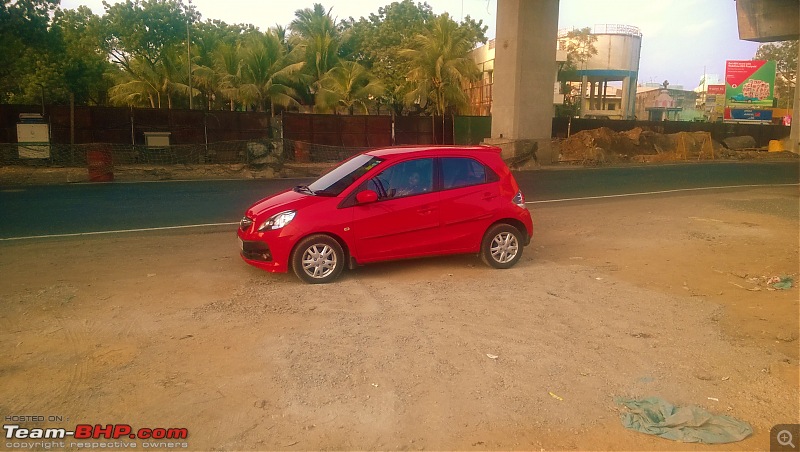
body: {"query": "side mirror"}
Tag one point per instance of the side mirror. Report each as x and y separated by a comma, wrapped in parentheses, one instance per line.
(366, 197)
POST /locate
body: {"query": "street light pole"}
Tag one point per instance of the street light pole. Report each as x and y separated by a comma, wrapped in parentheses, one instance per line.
(189, 57)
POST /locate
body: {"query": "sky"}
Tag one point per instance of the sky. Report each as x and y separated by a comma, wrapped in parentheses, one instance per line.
(681, 39)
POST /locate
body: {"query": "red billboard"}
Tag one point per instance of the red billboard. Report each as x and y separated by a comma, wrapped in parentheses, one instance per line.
(716, 90)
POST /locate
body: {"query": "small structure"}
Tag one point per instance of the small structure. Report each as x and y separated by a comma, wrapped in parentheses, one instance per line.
(661, 103)
(33, 136)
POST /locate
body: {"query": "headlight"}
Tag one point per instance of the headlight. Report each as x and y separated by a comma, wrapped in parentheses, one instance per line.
(278, 220)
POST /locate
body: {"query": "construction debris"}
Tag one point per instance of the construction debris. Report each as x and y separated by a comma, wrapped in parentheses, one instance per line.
(605, 146)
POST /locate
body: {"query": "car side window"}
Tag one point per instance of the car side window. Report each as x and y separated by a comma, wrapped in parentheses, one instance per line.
(404, 179)
(462, 172)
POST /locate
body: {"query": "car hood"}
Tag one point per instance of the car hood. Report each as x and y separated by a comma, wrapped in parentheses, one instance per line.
(286, 200)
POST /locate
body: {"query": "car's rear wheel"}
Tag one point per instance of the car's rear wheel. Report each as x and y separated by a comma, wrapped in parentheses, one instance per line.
(501, 246)
(318, 259)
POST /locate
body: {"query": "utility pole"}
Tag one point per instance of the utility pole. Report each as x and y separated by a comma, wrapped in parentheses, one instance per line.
(189, 59)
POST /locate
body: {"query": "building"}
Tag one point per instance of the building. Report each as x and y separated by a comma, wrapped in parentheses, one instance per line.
(606, 80)
(661, 103)
(480, 91)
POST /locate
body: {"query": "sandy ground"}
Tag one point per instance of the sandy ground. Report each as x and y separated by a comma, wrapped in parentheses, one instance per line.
(632, 297)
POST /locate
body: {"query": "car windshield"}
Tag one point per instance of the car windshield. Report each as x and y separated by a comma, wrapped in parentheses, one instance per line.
(334, 182)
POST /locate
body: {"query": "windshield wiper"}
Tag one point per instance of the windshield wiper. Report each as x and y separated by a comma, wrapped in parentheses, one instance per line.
(304, 189)
(325, 193)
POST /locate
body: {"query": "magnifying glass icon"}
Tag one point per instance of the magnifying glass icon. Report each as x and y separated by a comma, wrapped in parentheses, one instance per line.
(784, 438)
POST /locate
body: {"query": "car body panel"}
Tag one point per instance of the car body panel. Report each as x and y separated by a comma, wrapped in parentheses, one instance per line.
(431, 223)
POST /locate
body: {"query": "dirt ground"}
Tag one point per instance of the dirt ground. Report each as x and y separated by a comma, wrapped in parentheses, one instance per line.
(626, 297)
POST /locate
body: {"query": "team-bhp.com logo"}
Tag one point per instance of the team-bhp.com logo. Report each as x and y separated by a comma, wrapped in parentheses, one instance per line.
(155, 437)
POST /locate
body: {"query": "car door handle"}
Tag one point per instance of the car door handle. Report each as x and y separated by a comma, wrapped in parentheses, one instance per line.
(425, 210)
(489, 196)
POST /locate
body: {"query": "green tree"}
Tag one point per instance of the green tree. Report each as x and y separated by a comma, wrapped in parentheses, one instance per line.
(82, 63)
(267, 70)
(211, 39)
(145, 38)
(784, 53)
(440, 67)
(314, 33)
(579, 45)
(155, 86)
(378, 40)
(347, 86)
(24, 43)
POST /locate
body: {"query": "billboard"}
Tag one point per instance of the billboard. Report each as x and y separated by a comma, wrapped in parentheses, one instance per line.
(748, 114)
(749, 83)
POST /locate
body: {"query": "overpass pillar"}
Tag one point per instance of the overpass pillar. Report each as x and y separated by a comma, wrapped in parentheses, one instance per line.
(524, 75)
(794, 132)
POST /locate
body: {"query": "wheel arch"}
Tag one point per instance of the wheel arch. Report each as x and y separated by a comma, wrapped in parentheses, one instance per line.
(517, 224)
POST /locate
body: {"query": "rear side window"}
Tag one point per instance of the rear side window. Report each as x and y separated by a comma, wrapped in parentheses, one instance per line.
(463, 172)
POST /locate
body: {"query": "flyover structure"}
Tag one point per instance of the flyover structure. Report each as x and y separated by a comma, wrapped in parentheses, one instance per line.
(525, 60)
(773, 20)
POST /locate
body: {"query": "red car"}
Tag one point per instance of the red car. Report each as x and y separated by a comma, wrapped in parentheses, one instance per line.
(391, 203)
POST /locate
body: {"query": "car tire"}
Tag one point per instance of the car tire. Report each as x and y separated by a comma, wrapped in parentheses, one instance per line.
(318, 259)
(501, 246)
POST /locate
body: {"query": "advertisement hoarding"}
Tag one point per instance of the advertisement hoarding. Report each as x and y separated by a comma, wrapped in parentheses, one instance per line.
(749, 83)
(748, 114)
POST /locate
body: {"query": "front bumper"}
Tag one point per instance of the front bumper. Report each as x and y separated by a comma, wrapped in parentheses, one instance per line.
(268, 250)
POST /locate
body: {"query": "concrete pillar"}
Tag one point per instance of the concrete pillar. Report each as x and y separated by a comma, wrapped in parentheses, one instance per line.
(625, 103)
(525, 64)
(584, 83)
(794, 132)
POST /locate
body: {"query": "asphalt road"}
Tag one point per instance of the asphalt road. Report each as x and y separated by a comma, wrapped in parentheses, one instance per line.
(81, 208)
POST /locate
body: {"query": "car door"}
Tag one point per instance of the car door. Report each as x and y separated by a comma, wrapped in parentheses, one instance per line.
(404, 221)
(470, 198)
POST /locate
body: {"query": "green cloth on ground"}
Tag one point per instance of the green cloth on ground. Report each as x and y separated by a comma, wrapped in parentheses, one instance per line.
(785, 283)
(689, 424)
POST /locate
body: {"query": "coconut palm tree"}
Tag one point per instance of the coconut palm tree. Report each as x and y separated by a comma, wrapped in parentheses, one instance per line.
(225, 73)
(440, 66)
(267, 70)
(155, 85)
(315, 34)
(347, 86)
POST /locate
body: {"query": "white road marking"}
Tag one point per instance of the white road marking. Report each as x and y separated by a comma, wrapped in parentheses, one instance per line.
(78, 234)
(624, 195)
(188, 226)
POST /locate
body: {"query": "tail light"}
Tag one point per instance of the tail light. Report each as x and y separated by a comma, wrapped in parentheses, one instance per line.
(519, 200)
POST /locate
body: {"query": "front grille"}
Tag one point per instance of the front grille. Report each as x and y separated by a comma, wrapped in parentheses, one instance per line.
(245, 223)
(256, 251)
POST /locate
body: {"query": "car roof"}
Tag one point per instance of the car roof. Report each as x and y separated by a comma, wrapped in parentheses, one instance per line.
(429, 150)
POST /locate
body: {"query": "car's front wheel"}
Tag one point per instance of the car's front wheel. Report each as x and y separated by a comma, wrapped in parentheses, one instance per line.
(318, 259)
(501, 246)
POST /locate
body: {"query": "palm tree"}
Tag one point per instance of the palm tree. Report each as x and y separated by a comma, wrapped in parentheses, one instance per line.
(347, 85)
(314, 32)
(440, 65)
(266, 72)
(226, 72)
(144, 83)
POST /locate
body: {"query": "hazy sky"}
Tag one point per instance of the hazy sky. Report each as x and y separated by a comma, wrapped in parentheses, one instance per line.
(680, 38)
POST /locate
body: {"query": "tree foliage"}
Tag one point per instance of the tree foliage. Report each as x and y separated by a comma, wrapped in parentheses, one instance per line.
(784, 53)
(440, 67)
(579, 45)
(347, 86)
(159, 54)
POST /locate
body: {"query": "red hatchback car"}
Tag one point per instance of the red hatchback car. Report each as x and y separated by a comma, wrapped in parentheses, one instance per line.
(391, 203)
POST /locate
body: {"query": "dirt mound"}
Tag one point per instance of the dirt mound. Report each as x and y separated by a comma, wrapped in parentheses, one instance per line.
(603, 145)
